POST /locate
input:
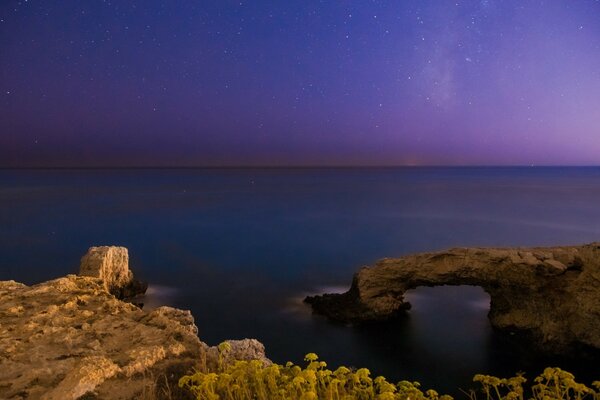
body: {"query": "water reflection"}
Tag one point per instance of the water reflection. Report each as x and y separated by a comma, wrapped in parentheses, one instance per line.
(158, 296)
(442, 342)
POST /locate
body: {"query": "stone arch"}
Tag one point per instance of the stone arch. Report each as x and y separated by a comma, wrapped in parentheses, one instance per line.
(551, 293)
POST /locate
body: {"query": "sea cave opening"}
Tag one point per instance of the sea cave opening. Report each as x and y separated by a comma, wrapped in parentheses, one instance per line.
(451, 321)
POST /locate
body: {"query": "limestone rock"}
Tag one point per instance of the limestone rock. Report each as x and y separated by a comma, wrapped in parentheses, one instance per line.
(69, 337)
(111, 265)
(243, 350)
(553, 293)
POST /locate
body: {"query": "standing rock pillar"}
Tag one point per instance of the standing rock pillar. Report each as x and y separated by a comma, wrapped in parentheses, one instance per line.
(111, 265)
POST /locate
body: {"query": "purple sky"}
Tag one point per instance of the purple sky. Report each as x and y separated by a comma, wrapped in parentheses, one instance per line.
(194, 83)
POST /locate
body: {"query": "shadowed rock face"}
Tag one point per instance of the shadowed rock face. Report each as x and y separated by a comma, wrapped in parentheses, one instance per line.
(551, 293)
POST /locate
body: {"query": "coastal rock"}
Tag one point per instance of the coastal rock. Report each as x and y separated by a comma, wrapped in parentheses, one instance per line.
(238, 350)
(69, 338)
(552, 294)
(111, 265)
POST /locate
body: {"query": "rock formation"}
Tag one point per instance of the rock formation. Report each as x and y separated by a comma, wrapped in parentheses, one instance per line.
(70, 338)
(111, 265)
(553, 293)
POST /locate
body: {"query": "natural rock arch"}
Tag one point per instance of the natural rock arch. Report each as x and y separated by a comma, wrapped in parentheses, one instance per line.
(552, 293)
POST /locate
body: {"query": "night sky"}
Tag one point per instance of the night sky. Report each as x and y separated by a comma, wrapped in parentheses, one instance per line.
(211, 83)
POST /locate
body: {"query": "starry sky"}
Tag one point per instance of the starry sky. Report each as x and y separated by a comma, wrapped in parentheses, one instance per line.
(299, 82)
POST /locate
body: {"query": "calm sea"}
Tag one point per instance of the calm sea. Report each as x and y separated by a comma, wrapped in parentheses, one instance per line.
(242, 247)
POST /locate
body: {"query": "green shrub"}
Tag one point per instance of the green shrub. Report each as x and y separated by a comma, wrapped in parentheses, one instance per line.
(253, 380)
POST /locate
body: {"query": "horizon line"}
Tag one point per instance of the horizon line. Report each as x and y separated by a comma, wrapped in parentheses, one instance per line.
(293, 166)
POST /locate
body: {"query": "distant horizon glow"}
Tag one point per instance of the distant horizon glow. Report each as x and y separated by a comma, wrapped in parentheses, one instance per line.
(299, 84)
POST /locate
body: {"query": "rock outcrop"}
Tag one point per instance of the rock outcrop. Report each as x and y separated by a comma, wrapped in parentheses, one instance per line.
(70, 338)
(552, 294)
(111, 265)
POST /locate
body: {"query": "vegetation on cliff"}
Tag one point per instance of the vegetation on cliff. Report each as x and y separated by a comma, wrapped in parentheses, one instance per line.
(255, 380)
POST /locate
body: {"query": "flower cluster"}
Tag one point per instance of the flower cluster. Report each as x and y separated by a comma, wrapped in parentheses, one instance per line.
(254, 380)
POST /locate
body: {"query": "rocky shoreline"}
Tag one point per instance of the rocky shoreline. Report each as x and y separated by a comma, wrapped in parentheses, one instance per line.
(549, 294)
(72, 338)
(76, 337)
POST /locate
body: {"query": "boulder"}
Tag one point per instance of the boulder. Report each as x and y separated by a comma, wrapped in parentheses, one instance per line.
(238, 350)
(551, 294)
(111, 265)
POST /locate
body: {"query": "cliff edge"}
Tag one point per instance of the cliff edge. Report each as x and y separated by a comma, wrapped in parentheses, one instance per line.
(70, 338)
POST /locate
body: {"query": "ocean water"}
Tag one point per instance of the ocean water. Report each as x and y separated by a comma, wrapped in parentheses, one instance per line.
(242, 247)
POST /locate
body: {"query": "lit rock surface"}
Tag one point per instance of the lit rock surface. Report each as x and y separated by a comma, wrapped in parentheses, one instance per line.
(111, 265)
(552, 294)
(68, 338)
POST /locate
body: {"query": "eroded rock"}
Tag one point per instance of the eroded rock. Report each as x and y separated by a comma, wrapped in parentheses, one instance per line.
(69, 337)
(246, 349)
(111, 265)
(552, 293)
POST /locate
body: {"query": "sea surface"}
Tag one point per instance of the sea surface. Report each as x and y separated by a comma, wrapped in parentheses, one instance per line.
(242, 247)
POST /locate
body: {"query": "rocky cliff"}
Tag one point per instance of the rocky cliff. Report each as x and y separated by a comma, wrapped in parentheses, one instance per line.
(552, 294)
(71, 338)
